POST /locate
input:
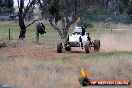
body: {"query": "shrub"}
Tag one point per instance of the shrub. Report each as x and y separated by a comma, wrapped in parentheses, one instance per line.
(87, 24)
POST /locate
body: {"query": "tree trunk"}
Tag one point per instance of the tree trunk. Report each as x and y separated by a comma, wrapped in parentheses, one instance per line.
(65, 33)
(21, 21)
(22, 28)
(64, 29)
(37, 37)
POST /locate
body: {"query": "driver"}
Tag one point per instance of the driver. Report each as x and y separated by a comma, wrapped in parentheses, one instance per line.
(89, 39)
(83, 31)
(80, 39)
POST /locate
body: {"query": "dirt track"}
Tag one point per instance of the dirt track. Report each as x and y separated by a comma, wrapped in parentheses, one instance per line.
(109, 42)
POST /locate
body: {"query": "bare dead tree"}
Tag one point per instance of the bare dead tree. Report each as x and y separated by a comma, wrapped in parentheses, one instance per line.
(22, 14)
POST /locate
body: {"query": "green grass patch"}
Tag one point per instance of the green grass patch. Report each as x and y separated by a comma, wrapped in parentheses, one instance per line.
(65, 59)
(107, 54)
(6, 59)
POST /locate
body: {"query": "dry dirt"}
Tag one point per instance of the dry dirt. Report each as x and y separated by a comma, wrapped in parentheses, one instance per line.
(109, 42)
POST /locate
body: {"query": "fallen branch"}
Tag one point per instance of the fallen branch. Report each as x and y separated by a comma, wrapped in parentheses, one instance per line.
(31, 23)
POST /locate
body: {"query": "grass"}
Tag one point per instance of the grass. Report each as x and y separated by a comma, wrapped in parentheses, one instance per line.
(63, 72)
(31, 66)
(109, 54)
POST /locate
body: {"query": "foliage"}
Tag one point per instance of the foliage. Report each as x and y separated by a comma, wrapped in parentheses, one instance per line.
(117, 10)
(64, 11)
(87, 24)
(6, 6)
(68, 11)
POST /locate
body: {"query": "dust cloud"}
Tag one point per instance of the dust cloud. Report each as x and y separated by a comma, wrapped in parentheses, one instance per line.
(116, 41)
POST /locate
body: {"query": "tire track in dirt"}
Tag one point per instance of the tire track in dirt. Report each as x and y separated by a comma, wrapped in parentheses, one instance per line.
(30, 51)
(109, 43)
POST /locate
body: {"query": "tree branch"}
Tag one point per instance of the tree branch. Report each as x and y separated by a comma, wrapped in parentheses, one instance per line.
(69, 23)
(29, 5)
(43, 8)
(55, 27)
(31, 23)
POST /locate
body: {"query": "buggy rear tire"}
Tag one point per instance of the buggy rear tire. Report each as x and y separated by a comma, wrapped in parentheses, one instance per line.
(59, 47)
(87, 47)
(96, 44)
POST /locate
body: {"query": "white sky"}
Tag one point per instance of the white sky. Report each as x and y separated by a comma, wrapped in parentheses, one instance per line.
(25, 2)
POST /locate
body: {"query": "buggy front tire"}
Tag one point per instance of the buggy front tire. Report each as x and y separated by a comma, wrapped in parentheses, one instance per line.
(59, 47)
(87, 47)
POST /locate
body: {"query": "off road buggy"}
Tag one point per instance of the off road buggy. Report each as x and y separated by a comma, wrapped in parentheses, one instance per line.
(79, 38)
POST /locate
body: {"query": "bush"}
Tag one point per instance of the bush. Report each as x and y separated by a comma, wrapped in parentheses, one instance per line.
(87, 24)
